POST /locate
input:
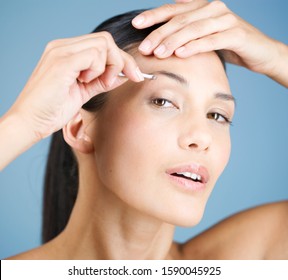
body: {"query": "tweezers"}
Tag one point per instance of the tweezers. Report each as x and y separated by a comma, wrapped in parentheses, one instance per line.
(145, 76)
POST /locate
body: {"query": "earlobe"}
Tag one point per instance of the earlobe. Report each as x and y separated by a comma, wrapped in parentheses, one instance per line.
(76, 137)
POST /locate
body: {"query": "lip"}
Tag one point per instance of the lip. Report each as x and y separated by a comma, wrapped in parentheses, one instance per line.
(187, 183)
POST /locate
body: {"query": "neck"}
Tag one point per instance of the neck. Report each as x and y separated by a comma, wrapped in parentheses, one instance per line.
(104, 227)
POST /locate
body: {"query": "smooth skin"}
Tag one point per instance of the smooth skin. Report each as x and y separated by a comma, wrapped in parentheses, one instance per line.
(199, 26)
(259, 233)
(69, 73)
(123, 176)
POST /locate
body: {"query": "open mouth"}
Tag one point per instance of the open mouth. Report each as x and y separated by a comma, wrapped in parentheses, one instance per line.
(188, 175)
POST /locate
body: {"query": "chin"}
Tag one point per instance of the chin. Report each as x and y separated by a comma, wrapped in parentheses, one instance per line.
(184, 217)
(189, 221)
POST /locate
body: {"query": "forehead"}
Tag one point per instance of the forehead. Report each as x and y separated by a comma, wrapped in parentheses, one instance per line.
(205, 70)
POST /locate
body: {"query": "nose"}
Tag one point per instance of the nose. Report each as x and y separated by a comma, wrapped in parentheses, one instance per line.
(195, 137)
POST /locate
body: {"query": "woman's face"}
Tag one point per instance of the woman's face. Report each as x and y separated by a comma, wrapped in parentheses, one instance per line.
(161, 144)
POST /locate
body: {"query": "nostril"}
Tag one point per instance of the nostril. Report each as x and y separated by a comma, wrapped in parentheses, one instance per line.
(197, 138)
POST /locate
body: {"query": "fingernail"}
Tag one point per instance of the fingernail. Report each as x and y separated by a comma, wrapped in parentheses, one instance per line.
(139, 74)
(145, 46)
(160, 50)
(138, 21)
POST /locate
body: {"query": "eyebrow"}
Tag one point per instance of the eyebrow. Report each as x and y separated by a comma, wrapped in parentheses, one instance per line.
(225, 97)
(180, 79)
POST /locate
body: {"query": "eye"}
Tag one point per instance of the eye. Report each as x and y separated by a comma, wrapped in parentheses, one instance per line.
(163, 103)
(218, 118)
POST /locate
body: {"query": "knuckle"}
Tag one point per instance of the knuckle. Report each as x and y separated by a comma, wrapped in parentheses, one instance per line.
(94, 54)
(52, 53)
(231, 18)
(51, 45)
(181, 19)
(170, 45)
(211, 42)
(106, 34)
(99, 68)
(101, 42)
(99, 55)
(157, 34)
(169, 8)
(196, 28)
(219, 5)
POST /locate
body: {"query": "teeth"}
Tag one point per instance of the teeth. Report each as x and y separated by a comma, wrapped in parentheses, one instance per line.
(186, 174)
(193, 176)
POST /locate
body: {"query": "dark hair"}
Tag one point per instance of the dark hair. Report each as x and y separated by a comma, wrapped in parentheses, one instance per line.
(61, 178)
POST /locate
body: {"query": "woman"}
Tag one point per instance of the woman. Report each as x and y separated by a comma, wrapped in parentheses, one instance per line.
(132, 191)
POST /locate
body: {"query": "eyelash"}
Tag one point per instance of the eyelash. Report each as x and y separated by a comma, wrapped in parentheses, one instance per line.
(216, 115)
(213, 115)
(154, 101)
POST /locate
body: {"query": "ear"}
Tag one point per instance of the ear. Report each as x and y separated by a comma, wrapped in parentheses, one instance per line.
(75, 135)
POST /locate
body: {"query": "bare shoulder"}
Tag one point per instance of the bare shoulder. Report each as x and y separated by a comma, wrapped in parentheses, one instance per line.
(257, 233)
(34, 254)
(47, 251)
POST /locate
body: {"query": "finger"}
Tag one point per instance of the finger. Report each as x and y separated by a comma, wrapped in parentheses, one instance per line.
(108, 59)
(85, 65)
(193, 31)
(127, 65)
(65, 47)
(178, 22)
(157, 36)
(112, 64)
(131, 69)
(82, 60)
(101, 85)
(164, 13)
(230, 40)
(97, 86)
(116, 59)
(60, 43)
(76, 46)
(68, 41)
(110, 79)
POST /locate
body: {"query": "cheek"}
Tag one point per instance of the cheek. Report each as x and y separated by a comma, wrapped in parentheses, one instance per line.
(222, 153)
(126, 158)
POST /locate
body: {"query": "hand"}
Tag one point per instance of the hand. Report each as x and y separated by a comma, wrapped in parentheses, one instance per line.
(54, 93)
(196, 26)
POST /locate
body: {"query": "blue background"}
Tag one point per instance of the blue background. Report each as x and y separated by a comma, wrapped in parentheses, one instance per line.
(258, 169)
